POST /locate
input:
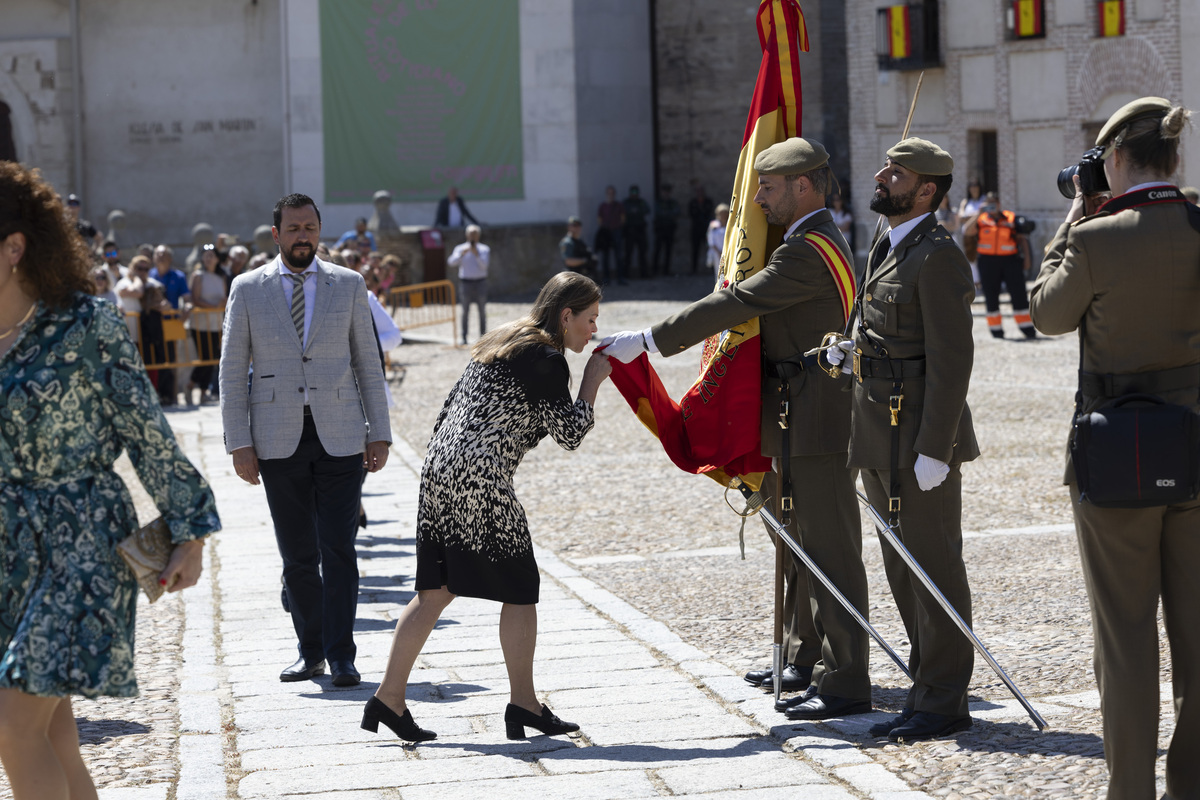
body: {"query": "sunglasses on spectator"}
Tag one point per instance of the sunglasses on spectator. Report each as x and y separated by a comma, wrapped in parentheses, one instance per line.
(111, 253)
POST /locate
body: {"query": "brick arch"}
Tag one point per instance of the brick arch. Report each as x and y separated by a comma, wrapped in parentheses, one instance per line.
(1121, 64)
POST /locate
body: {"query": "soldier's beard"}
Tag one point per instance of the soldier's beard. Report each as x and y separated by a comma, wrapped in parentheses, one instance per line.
(890, 206)
(303, 259)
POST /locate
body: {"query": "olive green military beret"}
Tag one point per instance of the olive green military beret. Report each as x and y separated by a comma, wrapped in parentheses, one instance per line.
(791, 157)
(1142, 107)
(922, 157)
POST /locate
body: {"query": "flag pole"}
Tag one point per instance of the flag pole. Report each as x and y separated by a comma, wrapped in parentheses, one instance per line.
(907, 124)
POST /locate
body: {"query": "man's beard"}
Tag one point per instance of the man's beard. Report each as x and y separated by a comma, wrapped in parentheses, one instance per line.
(300, 261)
(780, 215)
(896, 206)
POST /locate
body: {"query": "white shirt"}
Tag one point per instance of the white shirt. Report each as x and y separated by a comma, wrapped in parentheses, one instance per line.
(310, 295)
(896, 234)
(470, 266)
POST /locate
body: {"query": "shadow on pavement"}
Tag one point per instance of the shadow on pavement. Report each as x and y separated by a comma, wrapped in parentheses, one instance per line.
(95, 731)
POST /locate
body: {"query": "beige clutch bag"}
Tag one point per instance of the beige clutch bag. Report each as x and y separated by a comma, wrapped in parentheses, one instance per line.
(147, 552)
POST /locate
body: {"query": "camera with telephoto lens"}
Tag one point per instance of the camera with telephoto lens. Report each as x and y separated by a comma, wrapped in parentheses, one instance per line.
(1091, 175)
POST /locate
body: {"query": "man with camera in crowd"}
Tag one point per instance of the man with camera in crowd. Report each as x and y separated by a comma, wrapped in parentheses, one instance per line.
(1003, 258)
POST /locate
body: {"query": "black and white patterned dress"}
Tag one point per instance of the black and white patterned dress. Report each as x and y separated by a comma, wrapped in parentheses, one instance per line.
(472, 535)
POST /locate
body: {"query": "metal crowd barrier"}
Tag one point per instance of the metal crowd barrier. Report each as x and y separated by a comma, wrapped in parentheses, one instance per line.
(421, 304)
(173, 339)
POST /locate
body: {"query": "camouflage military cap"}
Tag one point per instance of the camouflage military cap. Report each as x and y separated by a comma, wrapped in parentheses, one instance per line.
(1142, 107)
(922, 157)
(793, 156)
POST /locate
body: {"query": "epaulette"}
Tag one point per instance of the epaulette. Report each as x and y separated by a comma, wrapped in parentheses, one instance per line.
(1097, 215)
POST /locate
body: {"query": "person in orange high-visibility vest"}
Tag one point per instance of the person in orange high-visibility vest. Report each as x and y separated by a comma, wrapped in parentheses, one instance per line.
(1003, 259)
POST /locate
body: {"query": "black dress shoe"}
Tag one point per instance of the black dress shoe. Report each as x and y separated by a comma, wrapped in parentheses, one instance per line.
(344, 673)
(927, 725)
(756, 677)
(401, 724)
(784, 703)
(886, 727)
(794, 678)
(302, 671)
(826, 706)
(516, 719)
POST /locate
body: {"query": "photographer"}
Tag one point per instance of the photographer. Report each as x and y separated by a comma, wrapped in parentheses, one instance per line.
(1003, 258)
(1129, 279)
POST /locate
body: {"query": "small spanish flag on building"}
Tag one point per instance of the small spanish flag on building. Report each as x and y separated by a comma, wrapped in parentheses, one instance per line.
(899, 32)
(1028, 17)
(1112, 17)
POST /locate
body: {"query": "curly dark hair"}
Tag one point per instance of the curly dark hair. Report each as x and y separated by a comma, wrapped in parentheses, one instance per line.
(57, 262)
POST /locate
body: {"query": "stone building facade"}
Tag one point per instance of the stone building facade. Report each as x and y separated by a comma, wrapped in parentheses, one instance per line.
(1015, 112)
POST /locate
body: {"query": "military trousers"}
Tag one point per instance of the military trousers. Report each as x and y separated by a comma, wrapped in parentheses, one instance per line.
(1131, 557)
(941, 658)
(825, 521)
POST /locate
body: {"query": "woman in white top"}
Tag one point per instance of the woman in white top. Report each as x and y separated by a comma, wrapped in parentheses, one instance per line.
(716, 238)
(969, 207)
(207, 287)
(842, 217)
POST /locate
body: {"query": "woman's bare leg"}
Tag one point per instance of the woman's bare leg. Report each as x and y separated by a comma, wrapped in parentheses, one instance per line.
(64, 738)
(518, 637)
(30, 761)
(412, 629)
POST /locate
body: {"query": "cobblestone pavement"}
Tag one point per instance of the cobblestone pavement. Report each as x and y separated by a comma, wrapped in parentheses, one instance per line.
(617, 516)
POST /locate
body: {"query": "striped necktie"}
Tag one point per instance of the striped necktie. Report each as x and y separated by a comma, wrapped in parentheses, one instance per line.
(298, 302)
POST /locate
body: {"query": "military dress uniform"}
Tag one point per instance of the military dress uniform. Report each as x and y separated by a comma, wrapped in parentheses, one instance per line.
(797, 302)
(914, 305)
(1132, 275)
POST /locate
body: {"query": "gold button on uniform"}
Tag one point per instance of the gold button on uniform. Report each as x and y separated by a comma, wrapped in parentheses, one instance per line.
(868, 297)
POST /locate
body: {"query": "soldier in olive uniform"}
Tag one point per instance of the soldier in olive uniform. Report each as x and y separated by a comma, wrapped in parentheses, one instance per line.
(797, 301)
(1130, 275)
(911, 428)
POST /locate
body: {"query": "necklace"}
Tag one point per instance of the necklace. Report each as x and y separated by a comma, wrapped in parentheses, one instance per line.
(5, 333)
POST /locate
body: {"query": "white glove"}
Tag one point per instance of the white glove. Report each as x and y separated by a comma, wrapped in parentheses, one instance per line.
(624, 346)
(930, 472)
(837, 354)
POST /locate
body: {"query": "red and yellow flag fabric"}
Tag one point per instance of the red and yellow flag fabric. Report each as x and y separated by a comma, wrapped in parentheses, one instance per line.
(1028, 17)
(1112, 17)
(714, 429)
(900, 32)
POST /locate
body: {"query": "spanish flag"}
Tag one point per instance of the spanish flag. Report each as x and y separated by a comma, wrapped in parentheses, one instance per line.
(714, 429)
(1029, 17)
(1112, 17)
(899, 32)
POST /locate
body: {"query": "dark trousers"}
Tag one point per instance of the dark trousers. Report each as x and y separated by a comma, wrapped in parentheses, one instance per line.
(941, 658)
(825, 522)
(635, 239)
(208, 347)
(1006, 270)
(699, 245)
(664, 240)
(608, 249)
(314, 498)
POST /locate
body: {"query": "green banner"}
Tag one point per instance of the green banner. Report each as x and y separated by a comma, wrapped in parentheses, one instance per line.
(419, 96)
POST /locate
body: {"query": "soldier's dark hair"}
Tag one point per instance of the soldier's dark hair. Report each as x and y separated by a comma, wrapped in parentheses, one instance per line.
(293, 200)
(942, 182)
(821, 178)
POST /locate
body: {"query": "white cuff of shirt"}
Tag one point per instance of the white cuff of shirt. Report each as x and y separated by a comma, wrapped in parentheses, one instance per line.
(648, 338)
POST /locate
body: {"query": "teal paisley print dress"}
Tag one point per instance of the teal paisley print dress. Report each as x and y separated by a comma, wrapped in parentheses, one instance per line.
(73, 395)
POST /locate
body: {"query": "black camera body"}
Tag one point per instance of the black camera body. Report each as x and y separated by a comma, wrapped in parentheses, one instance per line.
(1090, 170)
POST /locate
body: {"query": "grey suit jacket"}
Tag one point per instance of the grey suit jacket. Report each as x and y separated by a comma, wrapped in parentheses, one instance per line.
(339, 367)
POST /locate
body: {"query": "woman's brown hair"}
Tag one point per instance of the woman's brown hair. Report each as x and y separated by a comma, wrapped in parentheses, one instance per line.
(56, 263)
(542, 324)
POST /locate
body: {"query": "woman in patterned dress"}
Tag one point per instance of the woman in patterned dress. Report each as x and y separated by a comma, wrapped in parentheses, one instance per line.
(472, 536)
(73, 395)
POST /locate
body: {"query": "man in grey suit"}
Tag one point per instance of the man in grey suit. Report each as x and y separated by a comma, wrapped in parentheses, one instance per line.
(311, 417)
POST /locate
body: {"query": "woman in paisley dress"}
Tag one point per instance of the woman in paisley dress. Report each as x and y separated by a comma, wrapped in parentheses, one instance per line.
(73, 395)
(472, 536)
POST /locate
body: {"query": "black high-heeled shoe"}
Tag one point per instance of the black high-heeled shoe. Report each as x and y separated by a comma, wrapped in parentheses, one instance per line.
(401, 724)
(516, 719)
